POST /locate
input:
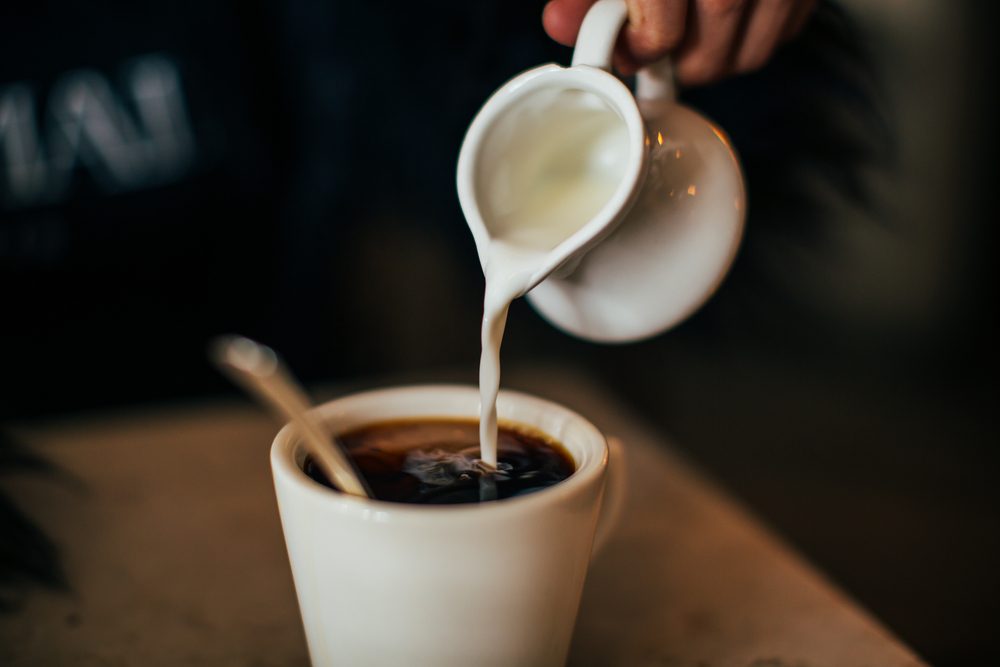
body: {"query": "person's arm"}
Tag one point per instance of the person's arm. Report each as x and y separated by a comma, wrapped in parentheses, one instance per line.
(708, 39)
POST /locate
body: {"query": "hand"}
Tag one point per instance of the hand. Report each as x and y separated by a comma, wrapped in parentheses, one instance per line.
(708, 39)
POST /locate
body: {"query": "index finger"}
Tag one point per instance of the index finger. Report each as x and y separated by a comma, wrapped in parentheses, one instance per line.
(654, 29)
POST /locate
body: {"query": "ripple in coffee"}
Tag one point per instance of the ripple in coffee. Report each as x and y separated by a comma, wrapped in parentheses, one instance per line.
(436, 461)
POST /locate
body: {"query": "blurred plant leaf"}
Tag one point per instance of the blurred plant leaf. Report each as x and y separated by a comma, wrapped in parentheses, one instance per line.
(27, 556)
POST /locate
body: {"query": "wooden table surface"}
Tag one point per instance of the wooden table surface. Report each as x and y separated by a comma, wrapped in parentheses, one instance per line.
(169, 532)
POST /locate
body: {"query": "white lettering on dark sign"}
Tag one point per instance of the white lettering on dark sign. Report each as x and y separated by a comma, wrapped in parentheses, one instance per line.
(134, 138)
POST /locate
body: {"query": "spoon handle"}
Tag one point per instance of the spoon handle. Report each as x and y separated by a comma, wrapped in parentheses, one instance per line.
(258, 369)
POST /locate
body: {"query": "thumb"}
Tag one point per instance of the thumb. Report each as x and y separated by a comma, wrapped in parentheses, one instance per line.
(562, 19)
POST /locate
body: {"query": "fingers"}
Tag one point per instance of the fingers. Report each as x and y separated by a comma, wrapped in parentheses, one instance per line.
(764, 31)
(654, 29)
(708, 39)
(706, 54)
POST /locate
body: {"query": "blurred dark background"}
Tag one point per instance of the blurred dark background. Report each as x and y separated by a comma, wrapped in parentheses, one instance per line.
(171, 171)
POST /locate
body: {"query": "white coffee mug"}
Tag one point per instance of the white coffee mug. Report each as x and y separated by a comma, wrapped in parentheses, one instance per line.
(498, 583)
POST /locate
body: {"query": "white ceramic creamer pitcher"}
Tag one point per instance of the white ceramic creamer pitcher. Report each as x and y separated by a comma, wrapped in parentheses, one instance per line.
(624, 212)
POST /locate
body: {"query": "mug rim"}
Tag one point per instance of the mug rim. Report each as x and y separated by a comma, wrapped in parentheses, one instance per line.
(285, 447)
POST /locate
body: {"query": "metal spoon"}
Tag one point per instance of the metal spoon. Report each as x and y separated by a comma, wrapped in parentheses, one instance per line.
(258, 370)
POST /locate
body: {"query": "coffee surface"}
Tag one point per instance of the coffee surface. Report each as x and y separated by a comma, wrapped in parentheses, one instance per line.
(436, 461)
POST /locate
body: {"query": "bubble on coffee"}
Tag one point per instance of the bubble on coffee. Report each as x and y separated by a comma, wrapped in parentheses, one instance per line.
(440, 467)
(436, 461)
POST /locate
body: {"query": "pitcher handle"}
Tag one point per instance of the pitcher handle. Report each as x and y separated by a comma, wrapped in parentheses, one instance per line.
(656, 82)
(596, 43)
(598, 34)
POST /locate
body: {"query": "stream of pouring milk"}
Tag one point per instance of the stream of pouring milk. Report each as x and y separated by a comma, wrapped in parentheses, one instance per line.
(508, 270)
(563, 174)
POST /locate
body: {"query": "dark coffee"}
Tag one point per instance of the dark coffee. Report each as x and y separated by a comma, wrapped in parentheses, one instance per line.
(435, 461)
